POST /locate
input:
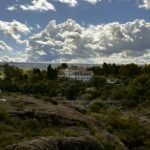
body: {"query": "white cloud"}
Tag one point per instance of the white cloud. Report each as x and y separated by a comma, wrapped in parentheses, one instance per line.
(14, 56)
(70, 41)
(12, 59)
(145, 4)
(38, 5)
(14, 29)
(4, 46)
(93, 1)
(38, 26)
(5, 59)
(71, 3)
(45, 5)
(12, 8)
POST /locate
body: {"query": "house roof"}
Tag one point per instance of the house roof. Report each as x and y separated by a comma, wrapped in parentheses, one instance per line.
(76, 71)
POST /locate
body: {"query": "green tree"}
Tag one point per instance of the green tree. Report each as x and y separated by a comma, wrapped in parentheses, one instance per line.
(129, 70)
(36, 75)
(51, 73)
(98, 82)
(146, 69)
(73, 90)
(139, 89)
(63, 66)
(105, 68)
(12, 72)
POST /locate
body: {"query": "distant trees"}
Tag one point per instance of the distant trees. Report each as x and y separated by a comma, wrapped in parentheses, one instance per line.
(63, 66)
(129, 70)
(106, 70)
(146, 69)
(12, 72)
(132, 88)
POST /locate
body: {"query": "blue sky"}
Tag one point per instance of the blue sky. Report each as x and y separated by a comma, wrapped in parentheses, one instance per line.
(88, 31)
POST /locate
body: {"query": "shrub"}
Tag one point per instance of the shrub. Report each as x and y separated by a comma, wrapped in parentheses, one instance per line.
(97, 107)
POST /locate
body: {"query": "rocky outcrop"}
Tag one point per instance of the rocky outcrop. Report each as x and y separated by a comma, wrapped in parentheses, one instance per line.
(68, 143)
(51, 118)
(81, 143)
(63, 120)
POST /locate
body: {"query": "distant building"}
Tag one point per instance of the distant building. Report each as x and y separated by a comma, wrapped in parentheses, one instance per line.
(76, 73)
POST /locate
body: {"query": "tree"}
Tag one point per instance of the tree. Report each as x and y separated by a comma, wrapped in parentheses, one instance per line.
(130, 70)
(96, 69)
(37, 74)
(105, 68)
(146, 69)
(63, 66)
(12, 72)
(73, 89)
(51, 73)
(98, 81)
(114, 69)
(139, 89)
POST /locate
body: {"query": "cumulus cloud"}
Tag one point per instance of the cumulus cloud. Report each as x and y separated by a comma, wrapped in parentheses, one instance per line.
(6, 59)
(14, 29)
(38, 5)
(71, 3)
(12, 59)
(70, 41)
(4, 46)
(45, 5)
(93, 1)
(145, 4)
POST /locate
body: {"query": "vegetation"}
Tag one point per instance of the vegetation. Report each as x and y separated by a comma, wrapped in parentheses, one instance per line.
(130, 84)
(127, 128)
(118, 96)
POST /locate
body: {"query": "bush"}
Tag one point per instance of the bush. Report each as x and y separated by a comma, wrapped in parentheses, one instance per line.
(73, 89)
(97, 107)
(130, 132)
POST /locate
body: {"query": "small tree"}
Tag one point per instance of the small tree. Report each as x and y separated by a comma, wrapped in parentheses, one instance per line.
(64, 66)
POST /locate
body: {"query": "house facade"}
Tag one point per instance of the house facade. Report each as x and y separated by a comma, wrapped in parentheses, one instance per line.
(76, 74)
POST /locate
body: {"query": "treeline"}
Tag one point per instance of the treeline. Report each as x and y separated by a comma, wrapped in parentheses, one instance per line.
(132, 86)
(130, 83)
(127, 71)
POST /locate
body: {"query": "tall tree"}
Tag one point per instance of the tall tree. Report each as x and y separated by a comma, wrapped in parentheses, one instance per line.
(51, 73)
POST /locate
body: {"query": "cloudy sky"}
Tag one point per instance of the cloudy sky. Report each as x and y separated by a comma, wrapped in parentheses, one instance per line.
(76, 31)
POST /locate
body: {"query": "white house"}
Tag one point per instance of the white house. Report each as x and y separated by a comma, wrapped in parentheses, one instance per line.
(76, 73)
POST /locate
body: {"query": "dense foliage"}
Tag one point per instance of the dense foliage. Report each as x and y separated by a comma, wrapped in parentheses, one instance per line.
(129, 84)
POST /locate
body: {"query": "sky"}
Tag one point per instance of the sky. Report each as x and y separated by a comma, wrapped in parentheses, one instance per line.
(75, 31)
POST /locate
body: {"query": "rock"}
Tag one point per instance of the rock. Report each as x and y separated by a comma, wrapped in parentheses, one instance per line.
(79, 108)
(51, 118)
(90, 90)
(81, 143)
(3, 100)
(86, 96)
(68, 143)
(38, 144)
